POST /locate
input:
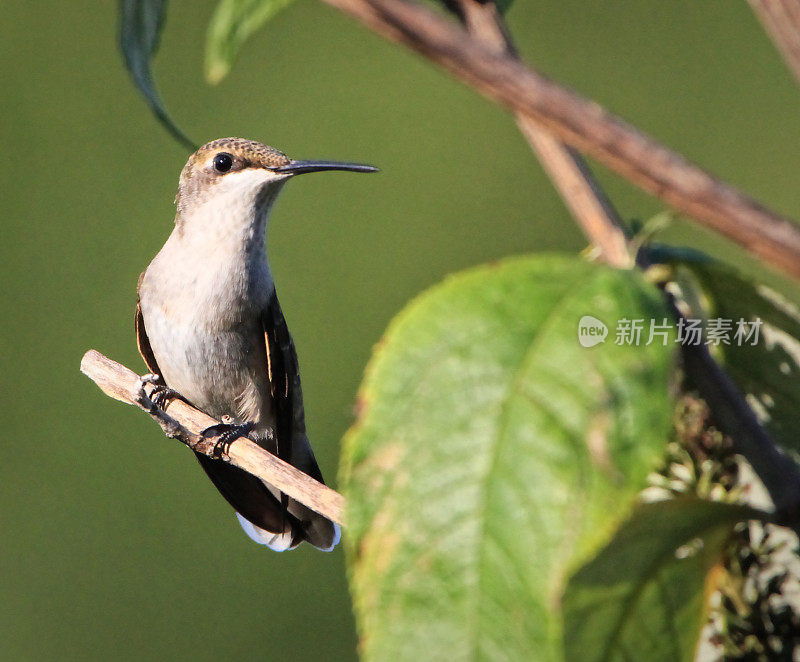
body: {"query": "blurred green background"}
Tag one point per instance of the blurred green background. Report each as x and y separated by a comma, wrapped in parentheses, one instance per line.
(114, 544)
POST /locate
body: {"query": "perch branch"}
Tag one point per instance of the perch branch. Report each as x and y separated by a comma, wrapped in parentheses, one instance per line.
(781, 20)
(569, 173)
(182, 421)
(588, 127)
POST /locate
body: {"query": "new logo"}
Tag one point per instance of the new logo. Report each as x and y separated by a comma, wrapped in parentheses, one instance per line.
(591, 331)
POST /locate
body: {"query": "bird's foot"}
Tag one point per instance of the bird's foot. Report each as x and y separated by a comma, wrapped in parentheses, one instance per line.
(161, 395)
(228, 432)
(154, 407)
(140, 395)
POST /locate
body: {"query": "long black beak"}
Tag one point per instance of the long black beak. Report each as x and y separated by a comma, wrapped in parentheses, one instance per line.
(300, 167)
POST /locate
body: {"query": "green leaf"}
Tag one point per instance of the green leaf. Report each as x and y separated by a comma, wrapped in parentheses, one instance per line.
(140, 28)
(643, 597)
(493, 453)
(233, 22)
(769, 370)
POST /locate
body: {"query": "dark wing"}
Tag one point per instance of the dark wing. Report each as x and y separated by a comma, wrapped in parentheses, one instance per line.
(287, 394)
(290, 422)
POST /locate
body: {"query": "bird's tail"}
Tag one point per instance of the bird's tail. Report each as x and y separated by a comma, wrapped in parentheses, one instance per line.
(266, 515)
(323, 534)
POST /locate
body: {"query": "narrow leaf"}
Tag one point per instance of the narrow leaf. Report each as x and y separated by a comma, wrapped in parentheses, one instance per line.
(644, 595)
(140, 29)
(233, 22)
(493, 453)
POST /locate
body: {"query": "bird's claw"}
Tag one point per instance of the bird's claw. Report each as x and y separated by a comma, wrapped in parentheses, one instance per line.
(140, 395)
(228, 432)
(160, 395)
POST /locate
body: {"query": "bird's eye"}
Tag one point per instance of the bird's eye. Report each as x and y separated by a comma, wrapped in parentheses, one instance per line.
(223, 162)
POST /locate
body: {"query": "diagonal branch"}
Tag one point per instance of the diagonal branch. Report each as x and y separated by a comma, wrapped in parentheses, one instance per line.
(588, 127)
(781, 19)
(568, 171)
(184, 422)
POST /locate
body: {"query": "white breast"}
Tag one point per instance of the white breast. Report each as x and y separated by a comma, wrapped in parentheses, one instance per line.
(202, 318)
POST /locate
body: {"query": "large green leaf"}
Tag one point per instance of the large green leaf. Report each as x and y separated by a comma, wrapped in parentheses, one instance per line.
(233, 22)
(493, 452)
(644, 596)
(140, 29)
(767, 370)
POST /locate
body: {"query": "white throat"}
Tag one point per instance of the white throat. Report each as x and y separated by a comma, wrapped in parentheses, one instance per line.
(232, 215)
(218, 244)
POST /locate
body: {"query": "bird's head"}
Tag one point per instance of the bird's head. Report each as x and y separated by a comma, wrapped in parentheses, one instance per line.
(235, 173)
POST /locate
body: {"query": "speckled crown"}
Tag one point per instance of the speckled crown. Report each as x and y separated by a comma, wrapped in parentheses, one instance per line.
(251, 152)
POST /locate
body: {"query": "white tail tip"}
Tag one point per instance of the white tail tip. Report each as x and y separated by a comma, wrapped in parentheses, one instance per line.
(277, 542)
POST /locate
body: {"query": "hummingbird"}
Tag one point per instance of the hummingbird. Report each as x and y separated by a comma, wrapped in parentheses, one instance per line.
(211, 330)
